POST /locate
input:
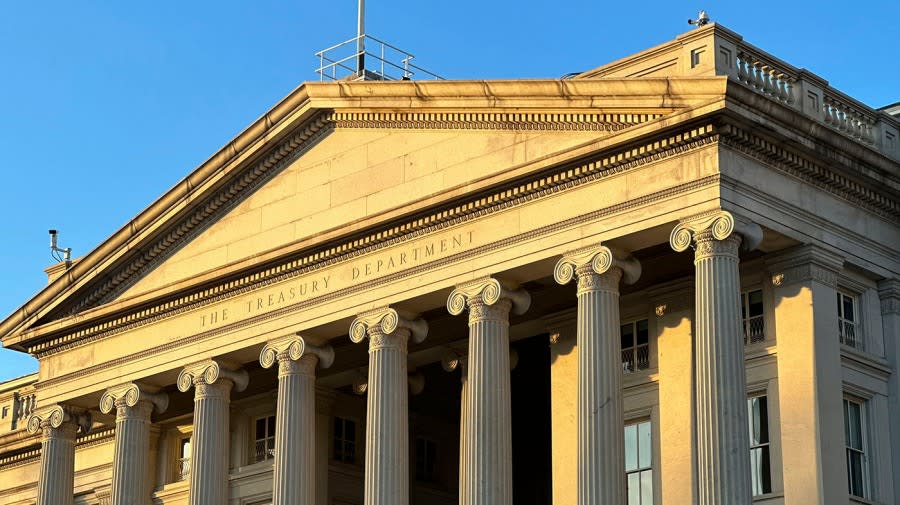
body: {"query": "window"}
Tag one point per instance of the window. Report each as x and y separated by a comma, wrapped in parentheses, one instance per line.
(635, 346)
(344, 440)
(264, 442)
(760, 470)
(183, 466)
(638, 463)
(752, 317)
(847, 319)
(855, 439)
(426, 455)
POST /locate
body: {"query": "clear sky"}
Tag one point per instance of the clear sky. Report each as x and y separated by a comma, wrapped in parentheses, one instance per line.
(105, 105)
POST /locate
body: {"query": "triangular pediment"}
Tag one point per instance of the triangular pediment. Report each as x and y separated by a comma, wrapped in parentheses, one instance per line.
(320, 166)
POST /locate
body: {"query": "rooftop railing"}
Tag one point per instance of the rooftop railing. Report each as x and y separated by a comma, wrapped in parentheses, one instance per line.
(367, 58)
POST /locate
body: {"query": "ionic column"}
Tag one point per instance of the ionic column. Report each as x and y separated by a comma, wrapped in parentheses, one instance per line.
(723, 443)
(295, 417)
(212, 383)
(601, 444)
(387, 414)
(131, 459)
(58, 425)
(450, 363)
(488, 475)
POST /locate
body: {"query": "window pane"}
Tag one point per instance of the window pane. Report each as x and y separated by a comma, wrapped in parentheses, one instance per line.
(634, 489)
(338, 428)
(647, 487)
(631, 456)
(627, 332)
(743, 305)
(755, 304)
(350, 430)
(643, 332)
(848, 308)
(644, 445)
(186, 448)
(855, 440)
(260, 429)
(839, 306)
(271, 426)
(855, 473)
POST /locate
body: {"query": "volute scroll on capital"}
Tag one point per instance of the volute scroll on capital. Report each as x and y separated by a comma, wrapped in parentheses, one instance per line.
(720, 225)
(129, 395)
(55, 416)
(208, 372)
(488, 291)
(386, 321)
(598, 259)
(293, 348)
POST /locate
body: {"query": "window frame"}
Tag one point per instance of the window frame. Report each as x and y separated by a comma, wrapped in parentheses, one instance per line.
(434, 451)
(865, 450)
(269, 454)
(858, 340)
(634, 348)
(640, 470)
(767, 445)
(746, 318)
(334, 439)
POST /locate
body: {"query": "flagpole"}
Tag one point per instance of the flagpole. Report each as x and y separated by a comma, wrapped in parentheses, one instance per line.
(361, 40)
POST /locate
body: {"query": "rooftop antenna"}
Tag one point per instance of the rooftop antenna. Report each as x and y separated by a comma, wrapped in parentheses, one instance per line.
(702, 19)
(361, 39)
(59, 254)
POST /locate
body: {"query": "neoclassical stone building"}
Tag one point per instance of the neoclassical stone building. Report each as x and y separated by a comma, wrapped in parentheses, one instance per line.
(669, 280)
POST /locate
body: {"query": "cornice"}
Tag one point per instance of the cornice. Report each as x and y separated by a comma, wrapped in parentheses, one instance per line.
(812, 173)
(601, 166)
(508, 121)
(32, 455)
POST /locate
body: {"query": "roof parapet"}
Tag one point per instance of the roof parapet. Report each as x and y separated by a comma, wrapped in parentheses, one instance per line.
(715, 50)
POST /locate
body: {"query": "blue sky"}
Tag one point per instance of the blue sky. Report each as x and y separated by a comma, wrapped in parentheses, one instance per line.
(105, 105)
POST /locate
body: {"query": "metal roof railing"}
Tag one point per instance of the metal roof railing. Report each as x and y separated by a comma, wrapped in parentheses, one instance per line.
(349, 59)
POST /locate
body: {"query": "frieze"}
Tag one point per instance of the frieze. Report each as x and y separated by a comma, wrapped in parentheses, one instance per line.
(507, 121)
(592, 216)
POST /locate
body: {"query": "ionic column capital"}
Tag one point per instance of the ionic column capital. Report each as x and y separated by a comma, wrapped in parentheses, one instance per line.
(718, 225)
(208, 373)
(597, 260)
(295, 354)
(386, 327)
(415, 380)
(453, 361)
(59, 417)
(129, 395)
(480, 294)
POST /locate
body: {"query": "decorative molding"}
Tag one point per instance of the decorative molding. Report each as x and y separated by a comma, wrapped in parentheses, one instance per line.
(592, 261)
(86, 440)
(385, 321)
(717, 225)
(209, 372)
(804, 263)
(889, 294)
(817, 175)
(507, 121)
(129, 394)
(55, 416)
(200, 337)
(487, 291)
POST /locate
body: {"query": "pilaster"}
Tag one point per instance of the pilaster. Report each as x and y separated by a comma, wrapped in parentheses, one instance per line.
(452, 362)
(601, 445)
(387, 416)
(132, 468)
(488, 480)
(723, 442)
(812, 427)
(889, 297)
(212, 381)
(563, 327)
(295, 417)
(58, 425)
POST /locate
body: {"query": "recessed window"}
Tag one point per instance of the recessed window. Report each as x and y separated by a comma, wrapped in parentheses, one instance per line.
(426, 456)
(264, 440)
(752, 316)
(855, 440)
(183, 465)
(760, 466)
(639, 463)
(344, 440)
(635, 345)
(848, 318)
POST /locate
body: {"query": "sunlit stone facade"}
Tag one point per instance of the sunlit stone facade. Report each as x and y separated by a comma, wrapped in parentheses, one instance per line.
(669, 280)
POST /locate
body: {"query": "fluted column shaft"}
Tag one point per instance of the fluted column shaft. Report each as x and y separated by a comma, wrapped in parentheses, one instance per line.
(601, 447)
(387, 419)
(56, 485)
(130, 483)
(209, 443)
(295, 432)
(723, 446)
(488, 477)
